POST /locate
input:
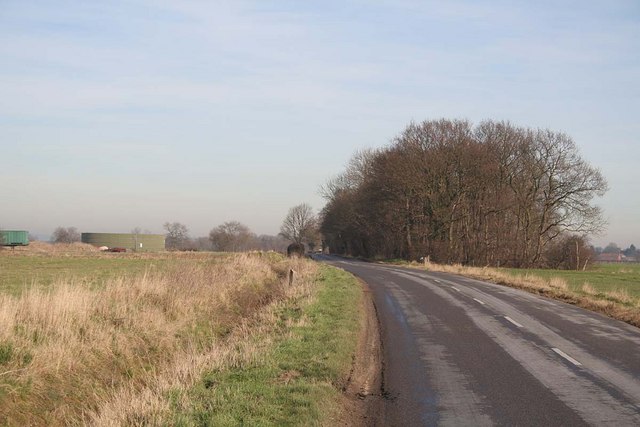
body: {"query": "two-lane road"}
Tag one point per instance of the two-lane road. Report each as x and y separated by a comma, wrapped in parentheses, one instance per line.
(458, 351)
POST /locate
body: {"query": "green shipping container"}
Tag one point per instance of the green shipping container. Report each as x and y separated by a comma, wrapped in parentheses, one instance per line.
(14, 238)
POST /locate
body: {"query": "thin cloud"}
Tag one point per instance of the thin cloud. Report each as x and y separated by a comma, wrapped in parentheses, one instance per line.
(192, 94)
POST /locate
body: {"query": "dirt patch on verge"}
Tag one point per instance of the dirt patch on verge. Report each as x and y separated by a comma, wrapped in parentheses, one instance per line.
(362, 401)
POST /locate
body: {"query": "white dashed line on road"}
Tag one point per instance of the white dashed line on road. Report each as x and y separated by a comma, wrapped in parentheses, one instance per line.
(478, 301)
(455, 289)
(566, 356)
(513, 321)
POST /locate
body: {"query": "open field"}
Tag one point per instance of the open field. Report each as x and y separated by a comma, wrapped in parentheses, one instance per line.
(603, 277)
(19, 273)
(159, 339)
(42, 265)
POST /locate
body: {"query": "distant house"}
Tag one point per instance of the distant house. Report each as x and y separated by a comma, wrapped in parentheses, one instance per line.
(613, 257)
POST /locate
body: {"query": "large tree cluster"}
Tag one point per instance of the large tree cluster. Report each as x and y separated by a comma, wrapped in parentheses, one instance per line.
(490, 194)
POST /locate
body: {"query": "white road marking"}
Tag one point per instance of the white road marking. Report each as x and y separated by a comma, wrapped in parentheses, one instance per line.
(513, 321)
(455, 289)
(477, 300)
(566, 356)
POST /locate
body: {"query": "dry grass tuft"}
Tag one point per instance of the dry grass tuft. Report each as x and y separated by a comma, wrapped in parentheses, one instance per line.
(73, 355)
(588, 289)
(620, 295)
(558, 283)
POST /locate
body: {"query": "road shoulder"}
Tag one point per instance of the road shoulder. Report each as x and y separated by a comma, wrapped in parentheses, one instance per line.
(362, 401)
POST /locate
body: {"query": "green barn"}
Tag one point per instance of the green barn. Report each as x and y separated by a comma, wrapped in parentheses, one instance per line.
(129, 241)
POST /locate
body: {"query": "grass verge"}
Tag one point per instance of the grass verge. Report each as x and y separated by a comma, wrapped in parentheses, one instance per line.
(297, 376)
(146, 345)
(617, 303)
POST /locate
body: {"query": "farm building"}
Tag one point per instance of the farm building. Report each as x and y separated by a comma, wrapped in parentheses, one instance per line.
(613, 258)
(129, 241)
(14, 238)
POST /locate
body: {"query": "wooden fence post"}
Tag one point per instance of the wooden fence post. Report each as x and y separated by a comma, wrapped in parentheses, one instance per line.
(291, 273)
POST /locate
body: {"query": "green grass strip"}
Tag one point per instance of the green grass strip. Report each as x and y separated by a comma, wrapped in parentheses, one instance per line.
(299, 380)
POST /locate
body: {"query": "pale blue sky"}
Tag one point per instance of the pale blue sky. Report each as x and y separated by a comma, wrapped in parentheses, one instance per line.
(132, 113)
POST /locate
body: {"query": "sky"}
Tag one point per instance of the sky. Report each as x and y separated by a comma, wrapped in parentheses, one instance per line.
(133, 113)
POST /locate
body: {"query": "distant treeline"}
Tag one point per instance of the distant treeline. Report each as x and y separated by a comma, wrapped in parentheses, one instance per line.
(491, 194)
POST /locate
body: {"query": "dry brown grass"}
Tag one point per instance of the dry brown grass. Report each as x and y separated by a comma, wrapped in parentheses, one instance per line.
(617, 304)
(73, 355)
(620, 295)
(558, 283)
(588, 289)
(44, 248)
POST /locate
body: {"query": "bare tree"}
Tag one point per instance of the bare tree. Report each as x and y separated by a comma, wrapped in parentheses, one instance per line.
(65, 235)
(272, 243)
(201, 244)
(232, 236)
(572, 252)
(177, 236)
(300, 224)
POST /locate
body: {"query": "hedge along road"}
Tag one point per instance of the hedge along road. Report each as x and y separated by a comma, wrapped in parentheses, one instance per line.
(459, 351)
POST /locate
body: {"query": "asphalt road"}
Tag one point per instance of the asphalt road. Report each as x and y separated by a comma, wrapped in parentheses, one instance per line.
(459, 351)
